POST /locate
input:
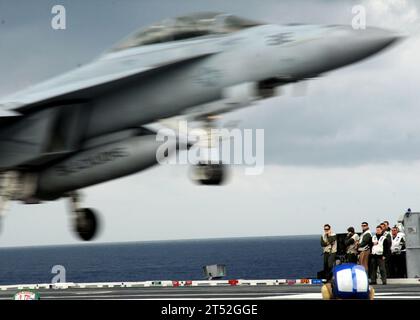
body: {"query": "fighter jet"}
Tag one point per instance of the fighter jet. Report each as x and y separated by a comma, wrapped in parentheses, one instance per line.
(89, 125)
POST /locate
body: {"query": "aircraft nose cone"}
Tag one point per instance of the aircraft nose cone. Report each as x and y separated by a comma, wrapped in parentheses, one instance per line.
(377, 39)
(354, 45)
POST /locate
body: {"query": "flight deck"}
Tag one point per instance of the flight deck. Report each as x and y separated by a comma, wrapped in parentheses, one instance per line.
(404, 289)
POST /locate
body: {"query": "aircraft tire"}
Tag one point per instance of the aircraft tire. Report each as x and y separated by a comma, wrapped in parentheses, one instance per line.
(210, 174)
(86, 224)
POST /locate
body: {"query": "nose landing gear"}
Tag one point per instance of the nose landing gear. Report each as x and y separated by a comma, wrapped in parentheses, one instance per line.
(209, 173)
(210, 170)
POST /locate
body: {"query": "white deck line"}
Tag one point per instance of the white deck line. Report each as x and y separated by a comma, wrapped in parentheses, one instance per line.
(183, 283)
(155, 283)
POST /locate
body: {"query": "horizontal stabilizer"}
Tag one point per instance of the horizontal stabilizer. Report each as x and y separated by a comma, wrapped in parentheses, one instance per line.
(4, 113)
(7, 116)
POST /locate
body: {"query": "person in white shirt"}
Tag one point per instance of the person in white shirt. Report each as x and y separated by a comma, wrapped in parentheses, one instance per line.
(398, 267)
(380, 251)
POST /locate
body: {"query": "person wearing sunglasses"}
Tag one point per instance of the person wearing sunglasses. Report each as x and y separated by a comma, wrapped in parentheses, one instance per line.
(365, 245)
(329, 246)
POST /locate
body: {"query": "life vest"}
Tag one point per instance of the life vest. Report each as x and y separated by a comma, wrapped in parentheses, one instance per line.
(366, 247)
(352, 249)
(331, 248)
(378, 249)
(396, 246)
(350, 281)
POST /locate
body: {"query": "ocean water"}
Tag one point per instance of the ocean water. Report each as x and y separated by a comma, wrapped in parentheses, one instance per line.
(246, 258)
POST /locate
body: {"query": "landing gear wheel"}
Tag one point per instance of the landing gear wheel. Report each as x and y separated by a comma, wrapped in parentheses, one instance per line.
(86, 224)
(209, 174)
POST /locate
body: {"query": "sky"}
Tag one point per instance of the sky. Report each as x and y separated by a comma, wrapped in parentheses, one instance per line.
(345, 152)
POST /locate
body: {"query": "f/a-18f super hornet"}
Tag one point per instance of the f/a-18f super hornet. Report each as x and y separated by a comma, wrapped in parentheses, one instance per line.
(89, 125)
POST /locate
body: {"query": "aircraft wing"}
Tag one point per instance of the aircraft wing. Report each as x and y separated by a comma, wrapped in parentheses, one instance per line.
(95, 78)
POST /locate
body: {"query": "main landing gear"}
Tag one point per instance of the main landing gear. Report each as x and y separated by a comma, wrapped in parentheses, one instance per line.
(85, 220)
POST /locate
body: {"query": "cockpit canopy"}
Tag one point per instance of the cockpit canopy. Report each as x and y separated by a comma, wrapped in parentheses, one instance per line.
(186, 27)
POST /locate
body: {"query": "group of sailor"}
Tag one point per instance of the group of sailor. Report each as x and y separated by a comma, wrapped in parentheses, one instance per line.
(383, 249)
